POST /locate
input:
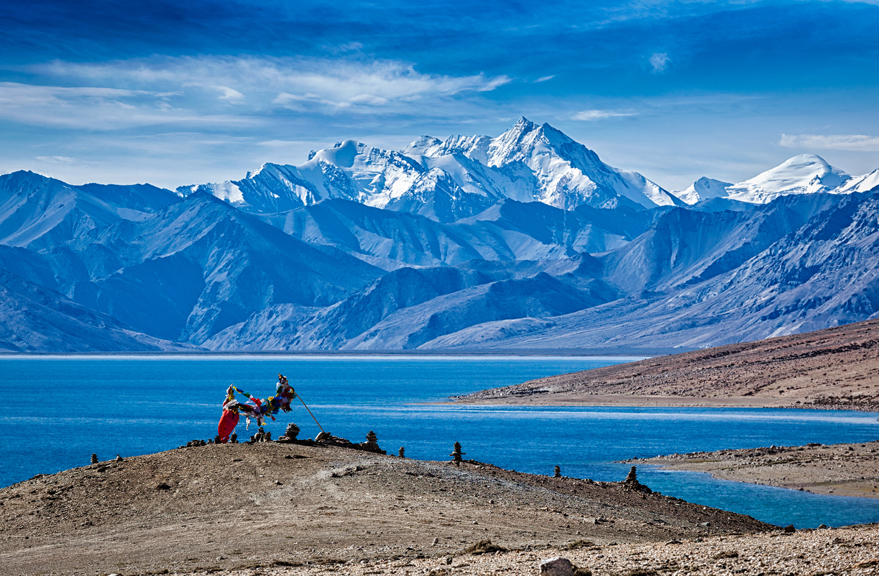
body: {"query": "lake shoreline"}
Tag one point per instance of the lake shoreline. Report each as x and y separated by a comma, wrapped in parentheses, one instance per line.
(658, 401)
(835, 469)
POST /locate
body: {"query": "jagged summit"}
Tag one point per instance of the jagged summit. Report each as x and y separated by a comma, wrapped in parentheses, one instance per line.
(528, 163)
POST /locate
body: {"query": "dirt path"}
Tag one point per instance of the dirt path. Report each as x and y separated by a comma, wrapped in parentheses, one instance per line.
(840, 469)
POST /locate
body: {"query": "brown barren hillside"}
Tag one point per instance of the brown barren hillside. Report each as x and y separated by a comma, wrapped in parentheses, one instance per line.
(834, 368)
(288, 506)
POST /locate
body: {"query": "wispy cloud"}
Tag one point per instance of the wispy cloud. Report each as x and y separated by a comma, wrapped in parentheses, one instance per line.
(593, 115)
(98, 108)
(323, 85)
(659, 61)
(850, 142)
(543, 79)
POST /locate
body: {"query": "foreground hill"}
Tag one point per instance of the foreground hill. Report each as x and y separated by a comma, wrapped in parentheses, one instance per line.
(268, 504)
(833, 368)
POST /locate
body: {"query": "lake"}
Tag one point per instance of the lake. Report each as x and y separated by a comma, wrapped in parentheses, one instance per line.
(62, 409)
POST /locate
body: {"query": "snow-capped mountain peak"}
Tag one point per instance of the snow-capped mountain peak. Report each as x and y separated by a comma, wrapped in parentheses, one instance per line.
(527, 163)
(703, 189)
(803, 174)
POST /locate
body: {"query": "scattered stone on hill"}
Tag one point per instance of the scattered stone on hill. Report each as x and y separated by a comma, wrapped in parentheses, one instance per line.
(290, 434)
(456, 454)
(484, 547)
(94, 458)
(559, 566)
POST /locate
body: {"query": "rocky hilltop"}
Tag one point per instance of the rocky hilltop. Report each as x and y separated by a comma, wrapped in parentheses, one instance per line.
(836, 368)
(319, 507)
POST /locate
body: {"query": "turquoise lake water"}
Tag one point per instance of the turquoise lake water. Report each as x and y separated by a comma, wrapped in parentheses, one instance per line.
(62, 409)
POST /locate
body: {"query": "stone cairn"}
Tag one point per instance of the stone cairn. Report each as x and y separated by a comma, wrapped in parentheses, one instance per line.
(558, 472)
(260, 436)
(456, 454)
(402, 452)
(371, 444)
(94, 458)
(233, 439)
(290, 434)
(632, 483)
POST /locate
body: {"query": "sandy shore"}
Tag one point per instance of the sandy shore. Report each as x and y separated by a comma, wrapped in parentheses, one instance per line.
(840, 469)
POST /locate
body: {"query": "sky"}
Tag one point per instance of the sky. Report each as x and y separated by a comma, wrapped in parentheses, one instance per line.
(175, 93)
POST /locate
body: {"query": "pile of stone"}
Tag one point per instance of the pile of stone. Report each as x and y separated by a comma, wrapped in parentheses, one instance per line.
(631, 483)
(260, 436)
(290, 434)
(371, 444)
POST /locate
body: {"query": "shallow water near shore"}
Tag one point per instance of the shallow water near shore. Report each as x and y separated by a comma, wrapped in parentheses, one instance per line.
(62, 409)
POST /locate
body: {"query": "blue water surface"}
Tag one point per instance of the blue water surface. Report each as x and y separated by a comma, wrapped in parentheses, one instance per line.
(66, 408)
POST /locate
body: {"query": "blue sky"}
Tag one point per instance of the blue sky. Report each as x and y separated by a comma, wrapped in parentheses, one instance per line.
(176, 93)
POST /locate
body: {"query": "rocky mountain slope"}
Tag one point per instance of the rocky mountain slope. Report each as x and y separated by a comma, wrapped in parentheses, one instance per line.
(523, 241)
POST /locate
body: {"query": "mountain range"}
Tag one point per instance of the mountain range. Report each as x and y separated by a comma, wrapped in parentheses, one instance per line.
(523, 241)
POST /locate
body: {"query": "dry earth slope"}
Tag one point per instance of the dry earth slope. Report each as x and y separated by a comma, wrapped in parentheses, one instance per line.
(221, 507)
(835, 368)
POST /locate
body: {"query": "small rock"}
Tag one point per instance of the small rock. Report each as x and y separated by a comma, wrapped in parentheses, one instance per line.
(119, 458)
(790, 528)
(557, 566)
(435, 542)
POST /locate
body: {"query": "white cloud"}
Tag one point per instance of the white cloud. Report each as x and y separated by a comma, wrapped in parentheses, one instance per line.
(593, 115)
(56, 159)
(230, 94)
(314, 84)
(850, 142)
(91, 108)
(659, 61)
(543, 79)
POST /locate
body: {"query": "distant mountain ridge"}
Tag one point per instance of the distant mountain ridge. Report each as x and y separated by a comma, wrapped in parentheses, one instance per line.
(523, 241)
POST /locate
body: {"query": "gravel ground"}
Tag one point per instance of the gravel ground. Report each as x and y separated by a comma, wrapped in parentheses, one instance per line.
(841, 551)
